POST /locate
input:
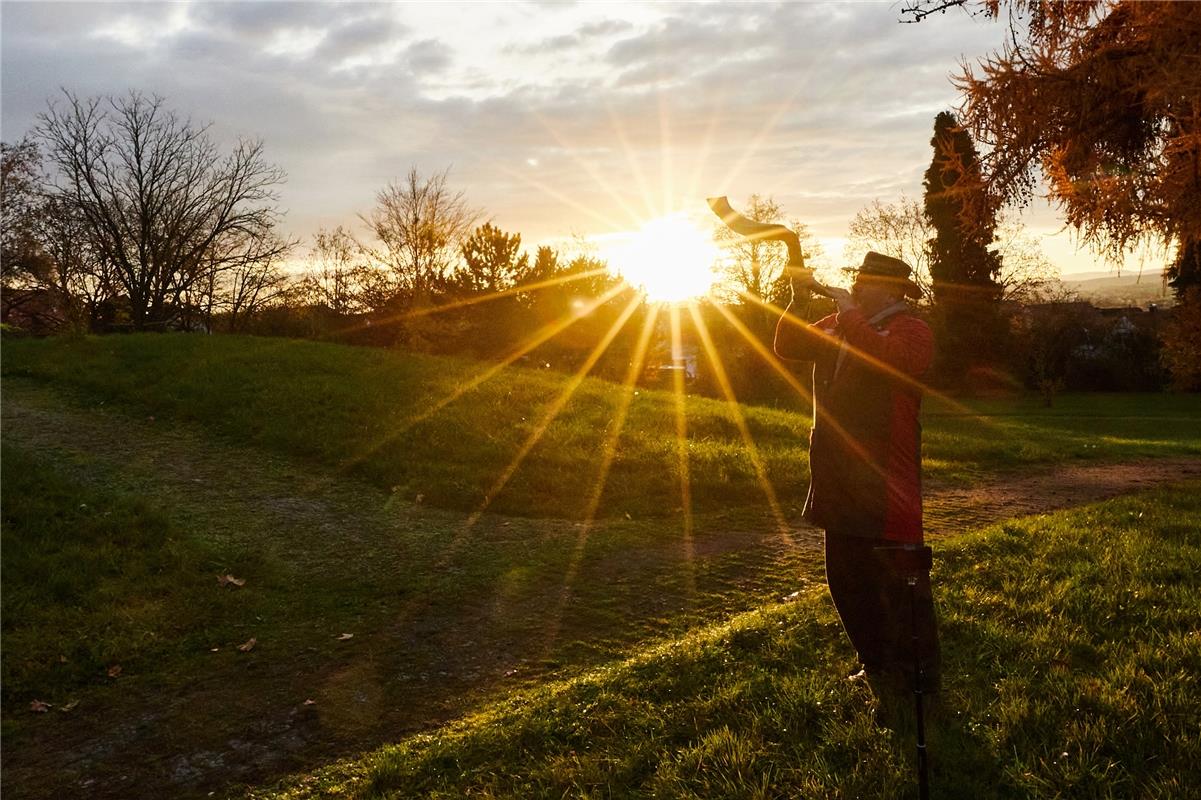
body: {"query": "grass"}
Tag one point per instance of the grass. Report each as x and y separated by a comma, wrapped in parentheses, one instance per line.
(1072, 668)
(137, 469)
(358, 409)
(1013, 434)
(138, 519)
(96, 580)
(352, 408)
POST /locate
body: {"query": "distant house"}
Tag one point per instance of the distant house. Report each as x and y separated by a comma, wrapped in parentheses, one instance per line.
(685, 360)
(665, 358)
(1090, 348)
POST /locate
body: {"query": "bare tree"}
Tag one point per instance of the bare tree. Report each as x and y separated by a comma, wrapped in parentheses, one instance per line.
(900, 230)
(83, 282)
(45, 247)
(160, 203)
(419, 226)
(336, 273)
(754, 266)
(250, 284)
(1026, 275)
(23, 259)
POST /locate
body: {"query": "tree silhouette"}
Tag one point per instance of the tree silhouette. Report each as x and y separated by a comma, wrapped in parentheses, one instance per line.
(160, 203)
(419, 225)
(493, 260)
(1101, 100)
(754, 266)
(963, 269)
(545, 266)
(22, 257)
(901, 230)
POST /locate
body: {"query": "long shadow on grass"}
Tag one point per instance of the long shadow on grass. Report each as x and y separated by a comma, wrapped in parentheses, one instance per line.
(1070, 670)
(191, 711)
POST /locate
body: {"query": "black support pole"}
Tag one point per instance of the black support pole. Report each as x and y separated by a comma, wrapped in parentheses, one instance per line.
(919, 680)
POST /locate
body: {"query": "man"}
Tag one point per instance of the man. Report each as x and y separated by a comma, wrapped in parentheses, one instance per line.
(865, 465)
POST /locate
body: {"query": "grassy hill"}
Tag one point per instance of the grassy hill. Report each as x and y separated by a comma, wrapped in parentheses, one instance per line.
(1129, 289)
(384, 416)
(361, 410)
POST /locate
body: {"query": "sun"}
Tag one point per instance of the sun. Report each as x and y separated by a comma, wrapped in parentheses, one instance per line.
(670, 260)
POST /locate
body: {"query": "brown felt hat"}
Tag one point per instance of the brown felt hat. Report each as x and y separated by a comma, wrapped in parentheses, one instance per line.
(886, 269)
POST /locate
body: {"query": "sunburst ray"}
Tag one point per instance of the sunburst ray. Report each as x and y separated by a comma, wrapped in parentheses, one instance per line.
(536, 286)
(855, 352)
(408, 611)
(818, 412)
(555, 407)
(542, 335)
(632, 161)
(462, 534)
(593, 172)
(564, 198)
(608, 452)
(723, 380)
(681, 420)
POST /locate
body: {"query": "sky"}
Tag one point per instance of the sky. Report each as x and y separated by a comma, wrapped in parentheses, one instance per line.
(558, 120)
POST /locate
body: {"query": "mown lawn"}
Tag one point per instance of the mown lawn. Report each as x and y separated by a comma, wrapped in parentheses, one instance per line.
(138, 469)
(98, 584)
(1072, 668)
(368, 412)
(115, 530)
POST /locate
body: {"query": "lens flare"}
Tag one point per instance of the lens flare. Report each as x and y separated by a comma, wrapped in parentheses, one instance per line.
(671, 259)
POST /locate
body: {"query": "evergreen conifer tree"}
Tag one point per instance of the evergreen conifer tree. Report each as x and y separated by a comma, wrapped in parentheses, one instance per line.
(967, 318)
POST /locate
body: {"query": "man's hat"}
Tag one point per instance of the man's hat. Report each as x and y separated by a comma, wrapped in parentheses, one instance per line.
(886, 269)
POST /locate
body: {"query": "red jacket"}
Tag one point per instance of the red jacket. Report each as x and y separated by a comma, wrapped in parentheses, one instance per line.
(865, 447)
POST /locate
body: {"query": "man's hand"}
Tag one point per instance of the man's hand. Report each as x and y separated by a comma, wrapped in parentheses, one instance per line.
(843, 298)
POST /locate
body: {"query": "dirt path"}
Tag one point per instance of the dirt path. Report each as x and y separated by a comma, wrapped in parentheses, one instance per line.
(950, 511)
(434, 653)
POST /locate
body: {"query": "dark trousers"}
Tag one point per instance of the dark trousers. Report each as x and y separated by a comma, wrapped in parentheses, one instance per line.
(868, 581)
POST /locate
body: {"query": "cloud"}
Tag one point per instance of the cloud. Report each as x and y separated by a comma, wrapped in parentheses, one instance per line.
(360, 37)
(596, 31)
(604, 27)
(428, 56)
(69, 21)
(257, 21)
(821, 106)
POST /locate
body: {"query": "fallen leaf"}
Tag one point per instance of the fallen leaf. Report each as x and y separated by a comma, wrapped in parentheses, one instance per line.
(214, 649)
(310, 702)
(62, 659)
(345, 636)
(420, 499)
(114, 671)
(230, 580)
(248, 645)
(39, 707)
(69, 706)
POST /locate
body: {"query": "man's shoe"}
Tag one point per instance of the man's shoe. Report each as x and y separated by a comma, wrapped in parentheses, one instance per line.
(867, 673)
(860, 676)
